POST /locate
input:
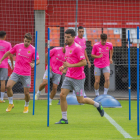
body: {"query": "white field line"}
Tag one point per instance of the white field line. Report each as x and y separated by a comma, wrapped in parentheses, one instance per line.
(118, 127)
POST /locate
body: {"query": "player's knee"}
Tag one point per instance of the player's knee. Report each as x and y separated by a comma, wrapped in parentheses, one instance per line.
(45, 82)
(55, 88)
(80, 101)
(107, 79)
(26, 93)
(62, 96)
(96, 81)
(8, 87)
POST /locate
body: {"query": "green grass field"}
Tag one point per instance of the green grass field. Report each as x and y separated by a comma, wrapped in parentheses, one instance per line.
(85, 122)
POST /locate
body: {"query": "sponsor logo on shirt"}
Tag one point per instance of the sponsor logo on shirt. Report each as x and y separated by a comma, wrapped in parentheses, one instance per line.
(23, 55)
(81, 56)
(1, 48)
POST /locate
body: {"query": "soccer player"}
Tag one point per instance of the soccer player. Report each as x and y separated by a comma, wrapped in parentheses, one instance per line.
(25, 54)
(75, 76)
(100, 53)
(57, 55)
(82, 42)
(4, 47)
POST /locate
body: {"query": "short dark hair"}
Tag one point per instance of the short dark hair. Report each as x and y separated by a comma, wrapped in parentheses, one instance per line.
(80, 27)
(103, 36)
(2, 34)
(28, 36)
(70, 31)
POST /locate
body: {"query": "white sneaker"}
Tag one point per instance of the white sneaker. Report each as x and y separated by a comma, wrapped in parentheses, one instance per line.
(36, 96)
(50, 103)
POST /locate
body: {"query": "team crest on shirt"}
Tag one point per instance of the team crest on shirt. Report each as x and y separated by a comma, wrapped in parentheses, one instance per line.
(106, 48)
(70, 51)
(29, 52)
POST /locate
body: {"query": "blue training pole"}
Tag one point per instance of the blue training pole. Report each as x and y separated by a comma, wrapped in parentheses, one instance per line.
(35, 72)
(129, 76)
(48, 75)
(137, 80)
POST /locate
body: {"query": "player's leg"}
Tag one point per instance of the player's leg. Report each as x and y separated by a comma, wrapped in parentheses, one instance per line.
(106, 72)
(3, 78)
(11, 82)
(2, 91)
(53, 92)
(43, 84)
(27, 99)
(26, 81)
(56, 80)
(79, 89)
(41, 87)
(65, 89)
(97, 73)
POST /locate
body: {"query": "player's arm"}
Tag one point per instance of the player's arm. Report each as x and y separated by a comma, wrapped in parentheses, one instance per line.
(5, 56)
(33, 64)
(37, 61)
(111, 54)
(46, 58)
(64, 70)
(94, 51)
(83, 62)
(96, 56)
(89, 64)
(11, 58)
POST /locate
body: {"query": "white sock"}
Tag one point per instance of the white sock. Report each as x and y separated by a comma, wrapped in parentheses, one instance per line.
(2, 96)
(97, 92)
(38, 92)
(96, 104)
(85, 94)
(10, 100)
(26, 103)
(64, 115)
(50, 100)
(74, 93)
(105, 90)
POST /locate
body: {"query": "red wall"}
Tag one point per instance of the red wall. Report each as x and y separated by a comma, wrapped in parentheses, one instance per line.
(95, 13)
(17, 18)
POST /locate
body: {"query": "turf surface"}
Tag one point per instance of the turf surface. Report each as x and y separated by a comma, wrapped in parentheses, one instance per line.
(85, 122)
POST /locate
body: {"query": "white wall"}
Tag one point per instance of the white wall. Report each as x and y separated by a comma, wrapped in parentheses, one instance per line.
(40, 27)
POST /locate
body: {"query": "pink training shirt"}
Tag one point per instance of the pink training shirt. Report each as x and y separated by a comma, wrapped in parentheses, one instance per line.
(57, 59)
(81, 42)
(98, 49)
(74, 54)
(24, 56)
(4, 47)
